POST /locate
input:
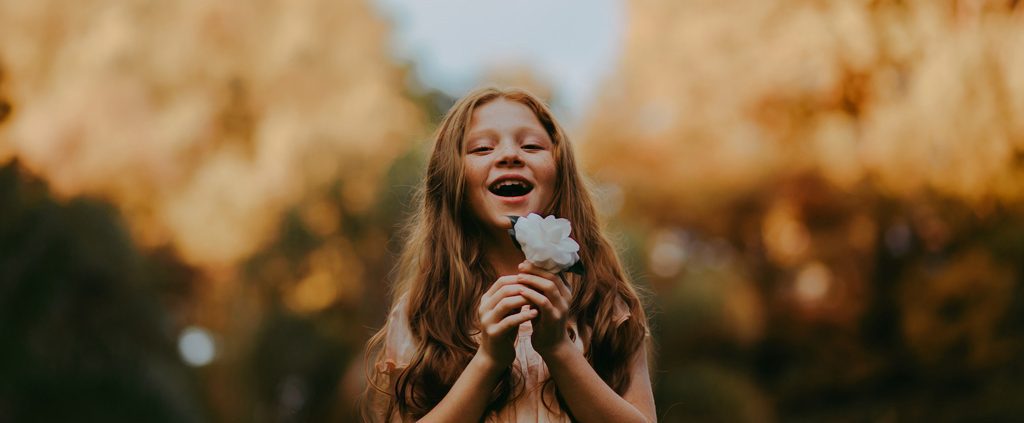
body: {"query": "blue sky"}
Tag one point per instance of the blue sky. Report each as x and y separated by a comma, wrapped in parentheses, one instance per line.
(573, 45)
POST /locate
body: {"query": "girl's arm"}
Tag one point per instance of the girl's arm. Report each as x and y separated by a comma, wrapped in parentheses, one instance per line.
(467, 399)
(499, 321)
(589, 398)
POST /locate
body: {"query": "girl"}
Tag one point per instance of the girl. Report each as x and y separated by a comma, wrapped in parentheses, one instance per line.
(477, 333)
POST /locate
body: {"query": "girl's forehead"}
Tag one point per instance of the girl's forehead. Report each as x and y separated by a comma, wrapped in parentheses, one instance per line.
(503, 115)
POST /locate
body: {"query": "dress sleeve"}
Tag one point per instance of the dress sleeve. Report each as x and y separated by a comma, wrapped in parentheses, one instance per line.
(398, 343)
(621, 311)
(622, 314)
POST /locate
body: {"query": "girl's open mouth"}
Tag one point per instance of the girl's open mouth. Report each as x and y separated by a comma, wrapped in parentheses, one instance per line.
(510, 188)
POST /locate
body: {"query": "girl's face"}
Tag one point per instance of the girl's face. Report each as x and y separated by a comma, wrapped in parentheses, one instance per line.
(509, 163)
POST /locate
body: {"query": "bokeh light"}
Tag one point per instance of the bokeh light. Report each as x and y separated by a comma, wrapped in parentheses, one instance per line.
(196, 346)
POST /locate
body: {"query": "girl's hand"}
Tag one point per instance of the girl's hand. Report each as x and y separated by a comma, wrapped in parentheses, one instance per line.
(501, 312)
(549, 294)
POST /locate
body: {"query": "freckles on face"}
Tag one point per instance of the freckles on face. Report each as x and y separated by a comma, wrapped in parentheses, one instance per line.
(509, 163)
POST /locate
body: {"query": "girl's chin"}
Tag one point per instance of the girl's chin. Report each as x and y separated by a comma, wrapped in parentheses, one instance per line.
(504, 224)
(500, 213)
(503, 211)
(518, 211)
(501, 221)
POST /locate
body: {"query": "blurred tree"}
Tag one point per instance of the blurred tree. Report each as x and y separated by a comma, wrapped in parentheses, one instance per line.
(831, 196)
(310, 297)
(252, 139)
(87, 323)
(741, 95)
(203, 122)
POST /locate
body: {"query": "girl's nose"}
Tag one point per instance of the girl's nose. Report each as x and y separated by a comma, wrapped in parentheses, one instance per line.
(508, 155)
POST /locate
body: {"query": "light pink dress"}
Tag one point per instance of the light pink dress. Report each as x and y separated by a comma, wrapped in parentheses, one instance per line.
(399, 348)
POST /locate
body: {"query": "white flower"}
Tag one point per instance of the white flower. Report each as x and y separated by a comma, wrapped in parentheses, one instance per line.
(546, 243)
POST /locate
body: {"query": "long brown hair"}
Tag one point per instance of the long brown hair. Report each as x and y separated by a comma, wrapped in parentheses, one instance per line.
(442, 273)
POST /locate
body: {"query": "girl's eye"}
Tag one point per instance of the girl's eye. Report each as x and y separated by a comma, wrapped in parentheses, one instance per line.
(482, 149)
(533, 147)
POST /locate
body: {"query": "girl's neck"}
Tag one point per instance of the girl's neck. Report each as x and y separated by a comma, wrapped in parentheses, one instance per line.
(502, 253)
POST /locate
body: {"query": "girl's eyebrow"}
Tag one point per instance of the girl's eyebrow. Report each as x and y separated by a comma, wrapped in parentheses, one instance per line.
(529, 131)
(518, 133)
(480, 132)
(534, 131)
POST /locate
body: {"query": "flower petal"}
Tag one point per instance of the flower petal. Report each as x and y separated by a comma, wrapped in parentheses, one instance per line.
(545, 241)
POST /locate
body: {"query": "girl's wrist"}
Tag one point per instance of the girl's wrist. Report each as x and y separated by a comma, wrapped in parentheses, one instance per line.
(487, 363)
(558, 351)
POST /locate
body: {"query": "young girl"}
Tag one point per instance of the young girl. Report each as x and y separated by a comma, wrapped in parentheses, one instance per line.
(478, 333)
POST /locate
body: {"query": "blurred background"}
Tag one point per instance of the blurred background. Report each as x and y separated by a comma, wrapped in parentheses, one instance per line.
(824, 201)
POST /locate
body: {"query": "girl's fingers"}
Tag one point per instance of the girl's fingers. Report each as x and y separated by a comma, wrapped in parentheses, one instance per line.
(505, 307)
(544, 286)
(505, 291)
(543, 303)
(563, 287)
(494, 294)
(512, 321)
(528, 267)
(510, 303)
(502, 281)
